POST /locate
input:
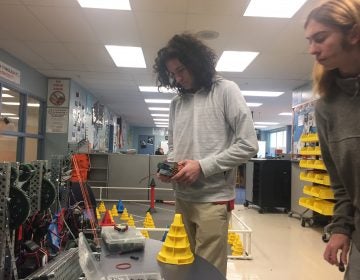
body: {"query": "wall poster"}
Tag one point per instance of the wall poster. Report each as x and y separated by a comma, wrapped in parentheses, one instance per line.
(57, 120)
(303, 123)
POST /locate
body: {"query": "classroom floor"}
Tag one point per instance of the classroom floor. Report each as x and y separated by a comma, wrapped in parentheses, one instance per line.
(281, 248)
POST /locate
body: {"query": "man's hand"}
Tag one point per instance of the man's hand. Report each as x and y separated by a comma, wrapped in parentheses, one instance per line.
(337, 242)
(163, 178)
(189, 172)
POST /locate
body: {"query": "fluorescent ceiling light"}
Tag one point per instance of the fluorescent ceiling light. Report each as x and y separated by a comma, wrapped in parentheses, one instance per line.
(106, 4)
(161, 125)
(125, 56)
(160, 101)
(157, 89)
(285, 114)
(160, 115)
(161, 120)
(260, 126)
(261, 93)
(11, 103)
(273, 8)
(18, 103)
(7, 95)
(266, 123)
(5, 89)
(8, 114)
(252, 104)
(13, 118)
(233, 61)
(159, 109)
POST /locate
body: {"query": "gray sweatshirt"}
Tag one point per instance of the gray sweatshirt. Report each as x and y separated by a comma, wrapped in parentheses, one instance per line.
(338, 124)
(215, 128)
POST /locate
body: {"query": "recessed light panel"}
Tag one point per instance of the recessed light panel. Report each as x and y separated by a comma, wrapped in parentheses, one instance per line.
(125, 56)
(106, 4)
(260, 126)
(262, 93)
(160, 115)
(158, 101)
(252, 104)
(234, 61)
(161, 120)
(7, 95)
(156, 89)
(159, 109)
(266, 123)
(273, 8)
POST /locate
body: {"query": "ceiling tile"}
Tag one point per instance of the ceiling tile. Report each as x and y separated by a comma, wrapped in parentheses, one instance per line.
(216, 7)
(156, 29)
(90, 54)
(51, 3)
(113, 27)
(69, 24)
(23, 25)
(159, 6)
(24, 54)
(53, 52)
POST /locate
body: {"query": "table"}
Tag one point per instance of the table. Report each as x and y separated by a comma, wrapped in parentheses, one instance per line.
(147, 263)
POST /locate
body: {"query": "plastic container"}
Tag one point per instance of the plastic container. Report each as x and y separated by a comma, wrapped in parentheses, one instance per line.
(123, 242)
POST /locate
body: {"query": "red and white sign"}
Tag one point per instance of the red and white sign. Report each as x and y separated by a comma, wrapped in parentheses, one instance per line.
(58, 93)
(9, 73)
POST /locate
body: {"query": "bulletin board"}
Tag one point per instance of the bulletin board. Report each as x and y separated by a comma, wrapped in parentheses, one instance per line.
(303, 123)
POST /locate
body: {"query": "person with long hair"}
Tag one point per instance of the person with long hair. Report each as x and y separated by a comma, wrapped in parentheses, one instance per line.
(333, 32)
(211, 132)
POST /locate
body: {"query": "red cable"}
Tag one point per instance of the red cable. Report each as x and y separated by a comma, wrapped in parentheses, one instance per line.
(123, 266)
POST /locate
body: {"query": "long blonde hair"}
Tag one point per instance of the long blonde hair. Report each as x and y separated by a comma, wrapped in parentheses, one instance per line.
(343, 15)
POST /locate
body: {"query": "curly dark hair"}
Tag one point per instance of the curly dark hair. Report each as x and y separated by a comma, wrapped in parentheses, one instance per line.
(198, 58)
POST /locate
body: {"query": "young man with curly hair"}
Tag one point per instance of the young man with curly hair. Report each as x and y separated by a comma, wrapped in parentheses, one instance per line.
(211, 132)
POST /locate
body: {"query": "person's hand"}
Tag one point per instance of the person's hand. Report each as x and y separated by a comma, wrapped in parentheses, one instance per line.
(163, 178)
(189, 172)
(337, 242)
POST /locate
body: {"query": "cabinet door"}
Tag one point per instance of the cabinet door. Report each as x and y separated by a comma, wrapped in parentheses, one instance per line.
(274, 178)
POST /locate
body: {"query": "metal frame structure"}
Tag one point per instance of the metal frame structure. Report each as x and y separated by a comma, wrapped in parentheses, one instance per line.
(35, 185)
(64, 266)
(7, 259)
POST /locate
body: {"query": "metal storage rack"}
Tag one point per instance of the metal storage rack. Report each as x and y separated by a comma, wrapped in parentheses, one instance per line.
(99, 173)
(320, 195)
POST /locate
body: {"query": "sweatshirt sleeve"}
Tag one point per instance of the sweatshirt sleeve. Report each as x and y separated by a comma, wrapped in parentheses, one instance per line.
(245, 146)
(343, 218)
(170, 154)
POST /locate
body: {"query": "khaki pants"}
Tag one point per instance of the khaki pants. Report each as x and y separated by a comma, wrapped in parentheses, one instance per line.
(207, 227)
(353, 268)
